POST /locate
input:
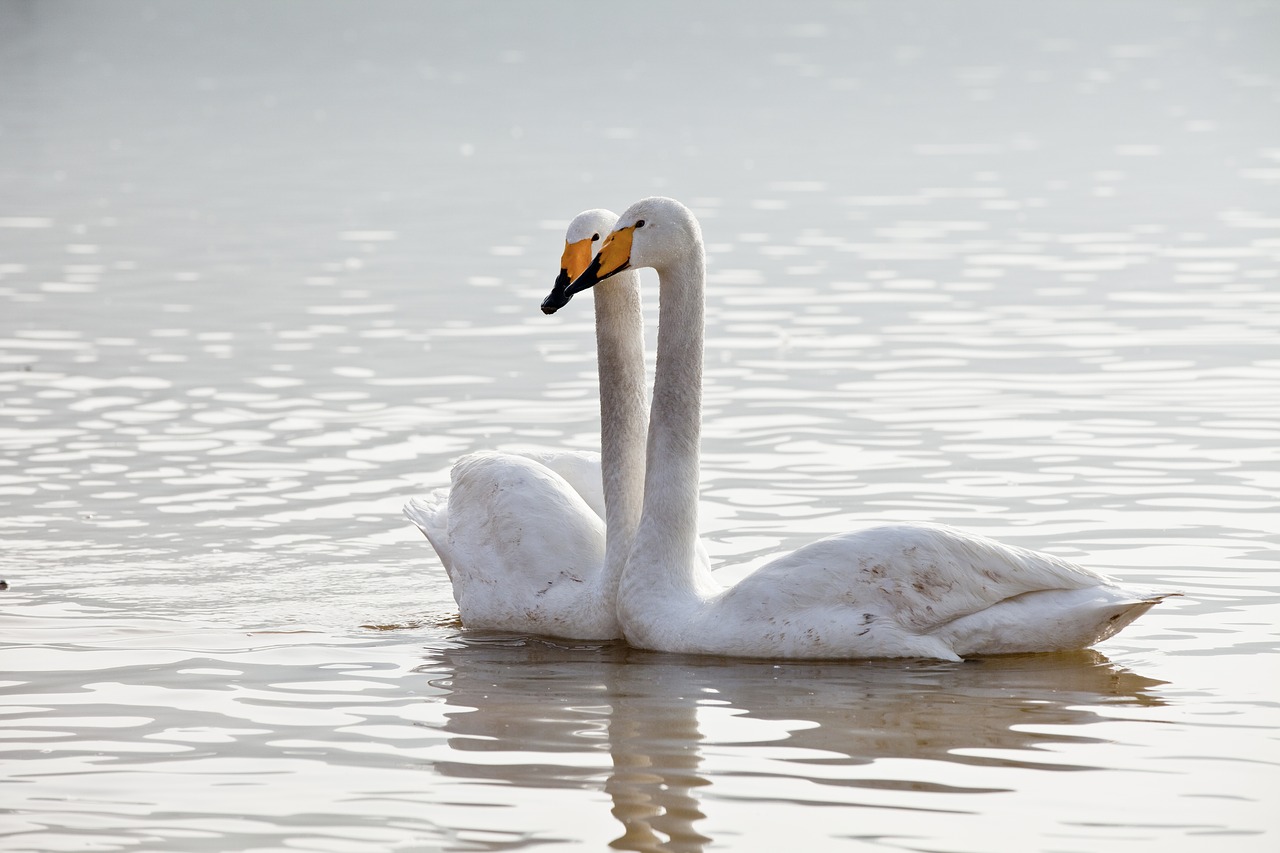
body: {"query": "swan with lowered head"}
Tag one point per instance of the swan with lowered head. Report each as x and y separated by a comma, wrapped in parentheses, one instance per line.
(535, 542)
(902, 590)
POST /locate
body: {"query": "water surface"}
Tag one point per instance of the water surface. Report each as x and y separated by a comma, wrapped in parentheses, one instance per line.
(266, 270)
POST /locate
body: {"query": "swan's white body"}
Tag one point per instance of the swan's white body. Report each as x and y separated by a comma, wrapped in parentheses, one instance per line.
(904, 590)
(489, 529)
(535, 542)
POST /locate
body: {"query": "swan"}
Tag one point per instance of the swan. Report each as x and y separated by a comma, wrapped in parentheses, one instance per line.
(535, 542)
(897, 590)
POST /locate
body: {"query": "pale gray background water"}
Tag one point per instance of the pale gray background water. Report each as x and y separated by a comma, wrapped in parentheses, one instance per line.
(266, 269)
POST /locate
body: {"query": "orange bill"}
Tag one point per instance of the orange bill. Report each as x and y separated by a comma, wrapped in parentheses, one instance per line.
(576, 258)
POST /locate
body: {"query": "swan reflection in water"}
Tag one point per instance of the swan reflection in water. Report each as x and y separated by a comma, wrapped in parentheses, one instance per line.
(655, 714)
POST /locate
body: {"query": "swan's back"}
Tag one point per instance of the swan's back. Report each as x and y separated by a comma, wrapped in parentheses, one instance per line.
(579, 468)
(914, 590)
(522, 547)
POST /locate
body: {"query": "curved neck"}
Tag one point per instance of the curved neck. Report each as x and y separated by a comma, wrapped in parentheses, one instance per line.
(623, 419)
(666, 540)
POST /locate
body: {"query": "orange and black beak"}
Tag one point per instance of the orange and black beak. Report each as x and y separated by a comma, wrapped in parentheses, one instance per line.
(576, 258)
(614, 257)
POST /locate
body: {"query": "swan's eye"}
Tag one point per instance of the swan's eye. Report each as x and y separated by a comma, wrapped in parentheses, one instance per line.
(595, 237)
(639, 223)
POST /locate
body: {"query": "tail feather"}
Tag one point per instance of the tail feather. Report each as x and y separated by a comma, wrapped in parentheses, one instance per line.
(431, 515)
(1048, 620)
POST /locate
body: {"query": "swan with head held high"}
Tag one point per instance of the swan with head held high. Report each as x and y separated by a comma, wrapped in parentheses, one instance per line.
(535, 542)
(902, 590)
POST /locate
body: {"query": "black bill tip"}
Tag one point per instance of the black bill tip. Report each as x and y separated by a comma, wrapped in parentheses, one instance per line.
(564, 289)
(559, 295)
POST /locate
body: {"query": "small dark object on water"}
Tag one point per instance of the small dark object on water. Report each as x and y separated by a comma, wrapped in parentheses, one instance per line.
(4, 584)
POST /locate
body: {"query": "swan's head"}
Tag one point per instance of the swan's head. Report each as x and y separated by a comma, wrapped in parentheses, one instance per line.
(584, 237)
(654, 232)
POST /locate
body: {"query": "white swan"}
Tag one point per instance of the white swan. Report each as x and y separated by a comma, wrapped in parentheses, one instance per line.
(903, 590)
(536, 542)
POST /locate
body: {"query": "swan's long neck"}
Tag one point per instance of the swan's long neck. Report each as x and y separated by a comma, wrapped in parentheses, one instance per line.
(663, 557)
(623, 418)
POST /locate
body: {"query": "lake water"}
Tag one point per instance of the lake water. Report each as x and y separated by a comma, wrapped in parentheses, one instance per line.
(267, 269)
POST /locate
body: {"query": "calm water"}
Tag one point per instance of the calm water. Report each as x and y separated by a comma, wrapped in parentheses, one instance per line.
(267, 269)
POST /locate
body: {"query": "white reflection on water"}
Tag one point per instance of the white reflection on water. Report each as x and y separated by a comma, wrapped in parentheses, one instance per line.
(266, 271)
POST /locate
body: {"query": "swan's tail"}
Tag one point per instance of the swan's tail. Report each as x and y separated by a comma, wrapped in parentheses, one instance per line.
(1049, 620)
(431, 515)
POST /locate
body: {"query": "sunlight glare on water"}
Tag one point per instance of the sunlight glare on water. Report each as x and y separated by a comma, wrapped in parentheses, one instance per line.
(267, 270)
